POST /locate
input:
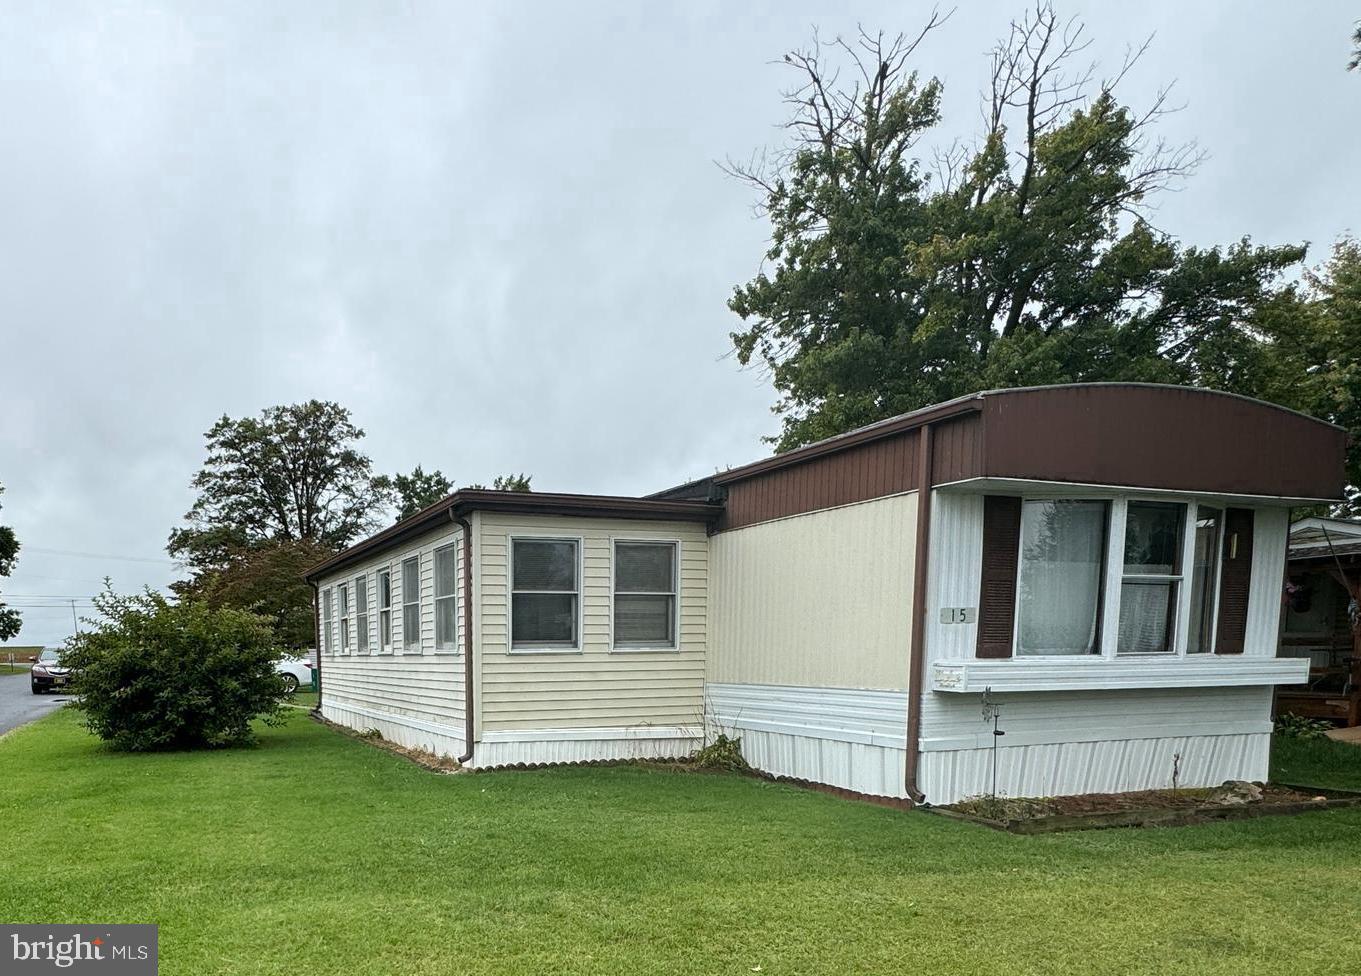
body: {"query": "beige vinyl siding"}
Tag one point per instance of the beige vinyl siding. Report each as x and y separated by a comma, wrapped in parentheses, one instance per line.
(595, 686)
(424, 685)
(822, 599)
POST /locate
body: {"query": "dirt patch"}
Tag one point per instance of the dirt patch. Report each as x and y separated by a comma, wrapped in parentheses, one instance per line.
(1167, 808)
(1030, 808)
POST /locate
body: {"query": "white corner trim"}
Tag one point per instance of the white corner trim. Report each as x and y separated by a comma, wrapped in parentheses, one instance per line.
(595, 735)
(1094, 674)
(435, 728)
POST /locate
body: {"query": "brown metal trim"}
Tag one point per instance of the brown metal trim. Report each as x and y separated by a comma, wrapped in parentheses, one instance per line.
(916, 650)
(316, 635)
(1173, 438)
(887, 466)
(998, 576)
(468, 699)
(467, 500)
(884, 428)
(1235, 581)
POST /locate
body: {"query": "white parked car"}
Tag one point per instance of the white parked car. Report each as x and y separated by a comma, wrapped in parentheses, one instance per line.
(296, 671)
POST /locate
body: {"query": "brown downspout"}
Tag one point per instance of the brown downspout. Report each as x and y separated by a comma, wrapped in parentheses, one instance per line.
(467, 528)
(316, 635)
(917, 663)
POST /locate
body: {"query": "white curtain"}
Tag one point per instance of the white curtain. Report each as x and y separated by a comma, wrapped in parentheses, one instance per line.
(1059, 590)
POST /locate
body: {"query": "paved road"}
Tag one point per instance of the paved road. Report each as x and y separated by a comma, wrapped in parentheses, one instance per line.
(18, 704)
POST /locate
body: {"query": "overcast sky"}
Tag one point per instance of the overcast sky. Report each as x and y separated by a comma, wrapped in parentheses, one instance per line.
(498, 236)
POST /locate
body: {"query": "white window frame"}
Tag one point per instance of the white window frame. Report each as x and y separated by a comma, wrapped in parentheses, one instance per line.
(385, 611)
(580, 642)
(1190, 553)
(408, 647)
(452, 549)
(344, 616)
(675, 593)
(1180, 623)
(1113, 574)
(362, 638)
(328, 643)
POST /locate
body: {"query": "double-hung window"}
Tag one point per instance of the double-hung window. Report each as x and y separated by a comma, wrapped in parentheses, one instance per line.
(344, 618)
(361, 612)
(446, 600)
(327, 639)
(384, 611)
(545, 597)
(1125, 576)
(1151, 579)
(1059, 582)
(411, 604)
(644, 595)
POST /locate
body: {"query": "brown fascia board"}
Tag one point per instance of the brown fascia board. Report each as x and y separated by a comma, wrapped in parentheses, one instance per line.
(524, 503)
(973, 403)
(970, 403)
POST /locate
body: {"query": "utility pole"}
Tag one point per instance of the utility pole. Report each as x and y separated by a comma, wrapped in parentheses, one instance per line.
(74, 622)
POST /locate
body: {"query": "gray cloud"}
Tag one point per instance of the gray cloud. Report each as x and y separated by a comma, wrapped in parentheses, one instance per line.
(499, 237)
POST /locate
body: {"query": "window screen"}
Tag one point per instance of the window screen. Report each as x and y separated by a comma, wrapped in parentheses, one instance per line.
(644, 594)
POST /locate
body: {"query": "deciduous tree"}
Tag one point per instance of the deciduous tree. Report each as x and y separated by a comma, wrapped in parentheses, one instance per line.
(898, 278)
(419, 490)
(277, 493)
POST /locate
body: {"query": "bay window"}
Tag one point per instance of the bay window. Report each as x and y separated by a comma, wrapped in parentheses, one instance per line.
(1129, 577)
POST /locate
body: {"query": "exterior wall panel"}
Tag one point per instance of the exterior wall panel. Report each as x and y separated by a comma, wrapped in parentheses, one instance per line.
(415, 699)
(822, 599)
(595, 687)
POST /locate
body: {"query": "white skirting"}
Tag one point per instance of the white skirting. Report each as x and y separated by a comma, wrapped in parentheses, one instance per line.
(1057, 744)
(405, 730)
(1111, 766)
(520, 747)
(541, 746)
(852, 739)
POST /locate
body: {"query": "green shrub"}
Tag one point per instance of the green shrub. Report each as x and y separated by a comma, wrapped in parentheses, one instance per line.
(1297, 727)
(160, 675)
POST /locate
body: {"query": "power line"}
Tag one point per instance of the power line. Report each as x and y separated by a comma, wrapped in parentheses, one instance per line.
(98, 555)
(46, 596)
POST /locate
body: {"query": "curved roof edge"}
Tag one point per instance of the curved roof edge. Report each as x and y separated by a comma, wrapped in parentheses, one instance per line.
(970, 403)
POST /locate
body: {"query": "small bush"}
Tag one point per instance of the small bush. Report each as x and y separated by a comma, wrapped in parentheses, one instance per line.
(722, 753)
(160, 675)
(1298, 727)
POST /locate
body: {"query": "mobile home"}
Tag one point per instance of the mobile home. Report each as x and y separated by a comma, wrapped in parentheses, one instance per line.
(1102, 564)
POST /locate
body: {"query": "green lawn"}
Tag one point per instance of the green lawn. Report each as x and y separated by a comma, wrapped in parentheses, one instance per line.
(315, 853)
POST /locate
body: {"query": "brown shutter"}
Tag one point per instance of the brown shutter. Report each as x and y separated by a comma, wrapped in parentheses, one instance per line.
(1235, 579)
(1001, 553)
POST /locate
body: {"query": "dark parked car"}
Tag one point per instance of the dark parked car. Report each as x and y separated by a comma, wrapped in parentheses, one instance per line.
(47, 673)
